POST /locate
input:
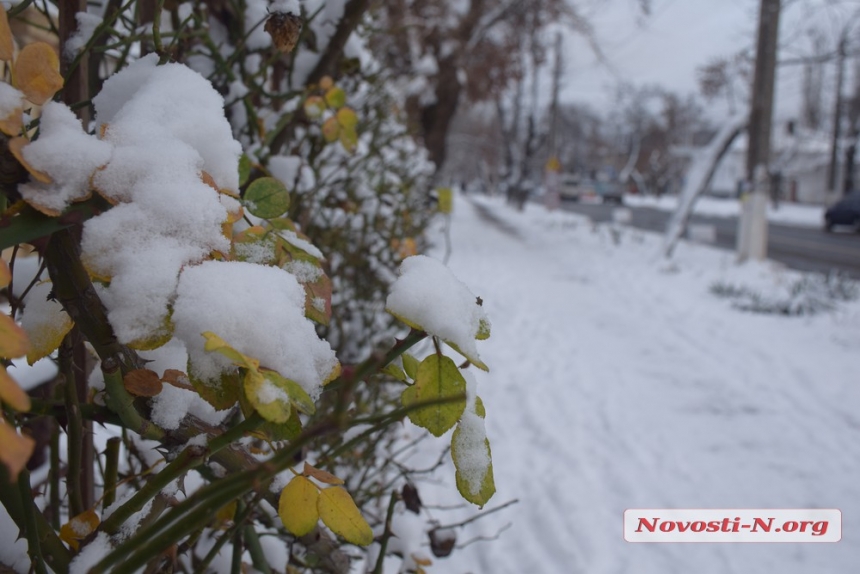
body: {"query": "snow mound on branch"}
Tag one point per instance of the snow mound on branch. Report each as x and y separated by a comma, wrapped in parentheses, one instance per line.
(167, 126)
(257, 310)
(146, 103)
(91, 554)
(67, 154)
(428, 296)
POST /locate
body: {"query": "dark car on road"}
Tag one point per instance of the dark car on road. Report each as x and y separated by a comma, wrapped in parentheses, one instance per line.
(845, 212)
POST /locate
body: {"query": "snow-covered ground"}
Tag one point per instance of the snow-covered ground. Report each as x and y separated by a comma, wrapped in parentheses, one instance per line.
(787, 213)
(617, 380)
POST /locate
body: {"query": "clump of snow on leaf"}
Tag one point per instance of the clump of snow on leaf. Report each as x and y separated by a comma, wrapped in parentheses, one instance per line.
(167, 125)
(11, 100)
(428, 296)
(172, 404)
(257, 310)
(67, 154)
(469, 446)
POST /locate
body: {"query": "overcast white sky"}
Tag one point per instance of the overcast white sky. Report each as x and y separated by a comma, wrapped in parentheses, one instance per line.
(679, 36)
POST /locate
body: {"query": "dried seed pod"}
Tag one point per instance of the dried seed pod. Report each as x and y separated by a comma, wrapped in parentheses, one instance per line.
(284, 30)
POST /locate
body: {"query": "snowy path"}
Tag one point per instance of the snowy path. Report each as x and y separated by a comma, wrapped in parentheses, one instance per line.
(617, 385)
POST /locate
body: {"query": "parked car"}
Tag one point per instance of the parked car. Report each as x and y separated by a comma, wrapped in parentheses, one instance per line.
(576, 188)
(844, 212)
(571, 187)
(610, 192)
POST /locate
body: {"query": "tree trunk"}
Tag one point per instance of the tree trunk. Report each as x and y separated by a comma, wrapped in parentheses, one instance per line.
(436, 118)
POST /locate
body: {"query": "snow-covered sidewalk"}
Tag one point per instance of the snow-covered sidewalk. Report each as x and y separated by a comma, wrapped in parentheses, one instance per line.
(619, 381)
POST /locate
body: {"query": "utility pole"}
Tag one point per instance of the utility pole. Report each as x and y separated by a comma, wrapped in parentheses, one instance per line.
(832, 172)
(752, 225)
(553, 167)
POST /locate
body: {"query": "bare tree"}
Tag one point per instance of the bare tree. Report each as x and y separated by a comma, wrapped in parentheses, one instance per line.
(462, 51)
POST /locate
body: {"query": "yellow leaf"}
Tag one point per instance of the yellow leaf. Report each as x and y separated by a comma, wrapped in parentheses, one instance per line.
(5, 273)
(12, 124)
(15, 449)
(347, 119)
(45, 322)
(16, 146)
(11, 394)
(37, 72)
(326, 83)
(13, 339)
(446, 200)
(335, 373)
(7, 46)
(339, 512)
(79, 528)
(297, 506)
(331, 129)
(321, 475)
(219, 345)
(157, 338)
(225, 515)
(268, 399)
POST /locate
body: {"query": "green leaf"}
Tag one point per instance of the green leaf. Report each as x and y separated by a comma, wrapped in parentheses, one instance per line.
(410, 365)
(347, 118)
(437, 379)
(29, 224)
(395, 371)
(339, 512)
(335, 98)
(298, 396)
(470, 451)
(273, 395)
(348, 139)
(483, 330)
(244, 169)
(281, 431)
(222, 394)
(267, 198)
(298, 506)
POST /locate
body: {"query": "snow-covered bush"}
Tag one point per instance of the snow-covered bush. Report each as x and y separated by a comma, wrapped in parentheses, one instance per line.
(805, 296)
(213, 246)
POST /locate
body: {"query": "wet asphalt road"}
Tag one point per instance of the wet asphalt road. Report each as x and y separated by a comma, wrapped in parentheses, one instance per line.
(802, 248)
